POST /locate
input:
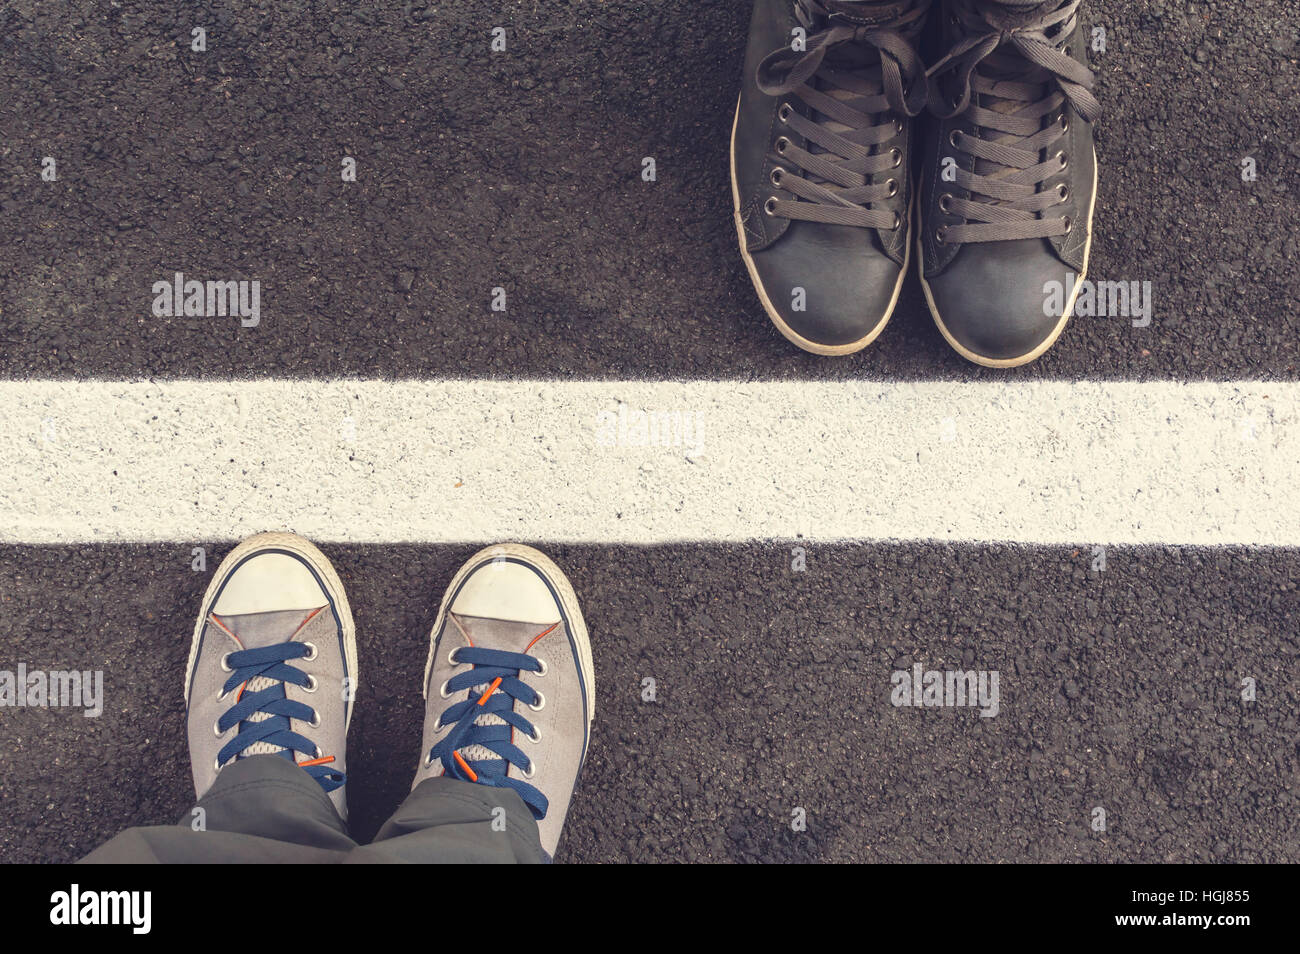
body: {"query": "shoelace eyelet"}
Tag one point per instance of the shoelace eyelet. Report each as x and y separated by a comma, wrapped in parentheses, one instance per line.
(314, 651)
(442, 690)
(1069, 226)
(225, 663)
(315, 719)
(452, 657)
(892, 185)
(945, 203)
(897, 155)
(532, 769)
(216, 765)
(541, 703)
(1063, 159)
(782, 144)
(897, 222)
(952, 138)
(783, 113)
(545, 668)
(941, 235)
(770, 205)
(1065, 123)
(777, 175)
(216, 730)
(536, 736)
(312, 684)
(1063, 191)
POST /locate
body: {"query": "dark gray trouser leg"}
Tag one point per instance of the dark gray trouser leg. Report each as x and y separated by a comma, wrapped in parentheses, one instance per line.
(447, 821)
(265, 810)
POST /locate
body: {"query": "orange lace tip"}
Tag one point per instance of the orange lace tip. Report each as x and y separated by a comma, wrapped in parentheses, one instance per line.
(321, 761)
(491, 689)
(473, 776)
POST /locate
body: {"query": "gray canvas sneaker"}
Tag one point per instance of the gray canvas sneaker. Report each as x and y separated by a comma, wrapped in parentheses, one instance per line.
(1010, 176)
(273, 664)
(509, 684)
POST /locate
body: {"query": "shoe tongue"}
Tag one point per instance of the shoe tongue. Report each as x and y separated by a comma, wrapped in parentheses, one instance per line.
(1006, 63)
(508, 637)
(869, 12)
(258, 630)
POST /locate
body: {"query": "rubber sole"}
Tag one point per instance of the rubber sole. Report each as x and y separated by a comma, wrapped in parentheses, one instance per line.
(790, 334)
(313, 557)
(1042, 348)
(563, 590)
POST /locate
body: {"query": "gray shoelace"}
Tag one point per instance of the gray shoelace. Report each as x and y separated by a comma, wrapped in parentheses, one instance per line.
(860, 74)
(1013, 74)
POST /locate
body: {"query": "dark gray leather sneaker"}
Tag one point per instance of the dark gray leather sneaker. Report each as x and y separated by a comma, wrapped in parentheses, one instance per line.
(819, 164)
(1010, 176)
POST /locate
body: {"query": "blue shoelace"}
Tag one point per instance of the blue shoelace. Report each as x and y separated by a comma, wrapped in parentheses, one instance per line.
(271, 662)
(499, 670)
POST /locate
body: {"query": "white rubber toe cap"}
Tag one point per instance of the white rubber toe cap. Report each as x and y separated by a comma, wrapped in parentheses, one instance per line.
(268, 583)
(505, 590)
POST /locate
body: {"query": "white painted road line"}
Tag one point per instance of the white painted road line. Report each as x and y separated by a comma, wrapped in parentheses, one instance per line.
(474, 461)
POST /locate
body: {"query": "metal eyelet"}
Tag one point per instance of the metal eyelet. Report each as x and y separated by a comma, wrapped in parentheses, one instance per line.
(777, 175)
(782, 144)
(545, 668)
(216, 730)
(941, 235)
(426, 762)
(541, 703)
(898, 157)
(892, 185)
(770, 205)
(945, 203)
(1065, 123)
(315, 719)
(312, 684)
(442, 690)
(314, 651)
(536, 736)
(225, 663)
(1063, 191)
(897, 222)
(1069, 226)
(222, 693)
(783, 113)
(451, 656)
(1063, 159)
(898, 127)
(532, 769)
(318, 753)
(216, 765)
(952, 138)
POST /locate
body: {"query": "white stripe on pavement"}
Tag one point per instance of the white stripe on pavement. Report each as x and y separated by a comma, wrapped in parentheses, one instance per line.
(473, 461)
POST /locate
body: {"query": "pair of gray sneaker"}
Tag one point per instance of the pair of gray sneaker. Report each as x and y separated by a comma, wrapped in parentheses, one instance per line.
(509, 683)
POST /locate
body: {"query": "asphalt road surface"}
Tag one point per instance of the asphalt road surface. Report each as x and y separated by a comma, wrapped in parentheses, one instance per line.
(1121, 689)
